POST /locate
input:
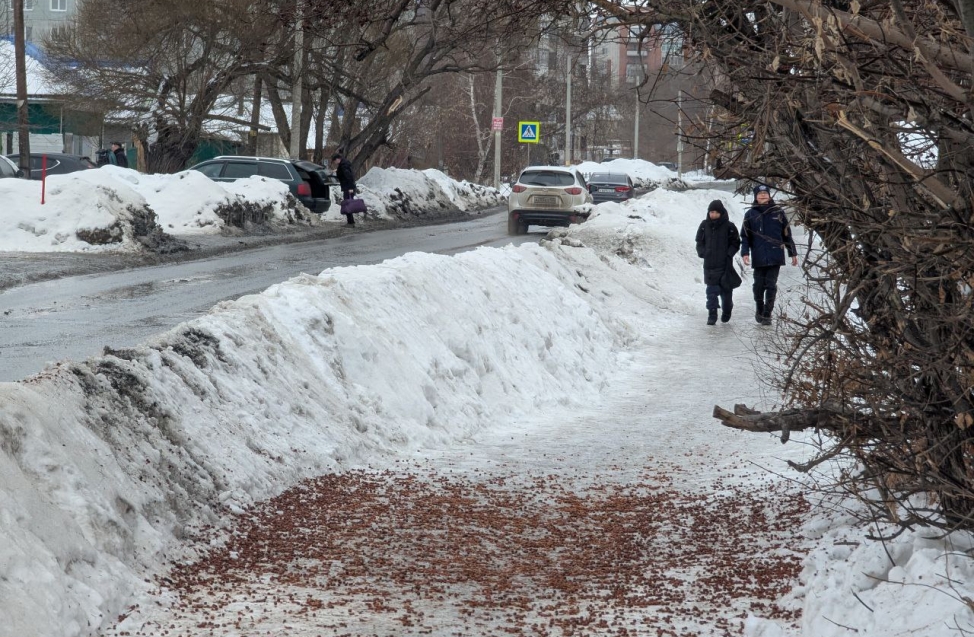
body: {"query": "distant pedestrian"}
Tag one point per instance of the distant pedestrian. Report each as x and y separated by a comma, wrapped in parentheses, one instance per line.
(765, 235)
(346, 179)
(118, 154)
(717, 243)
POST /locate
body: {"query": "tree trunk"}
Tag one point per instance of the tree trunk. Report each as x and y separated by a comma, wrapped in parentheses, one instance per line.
(171, 151)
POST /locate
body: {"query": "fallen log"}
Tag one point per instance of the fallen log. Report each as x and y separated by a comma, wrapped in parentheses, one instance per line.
(784, 421)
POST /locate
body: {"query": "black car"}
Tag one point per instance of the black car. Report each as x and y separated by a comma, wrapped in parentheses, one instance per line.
(57, 163)
(610, 187)
(308, 182)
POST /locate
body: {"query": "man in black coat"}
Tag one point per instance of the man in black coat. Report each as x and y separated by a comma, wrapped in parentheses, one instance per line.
(346, 178)
(121, 159)
(765, 235)
(717, 243)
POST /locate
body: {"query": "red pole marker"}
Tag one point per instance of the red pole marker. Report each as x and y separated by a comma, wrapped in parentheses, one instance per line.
(43, 176)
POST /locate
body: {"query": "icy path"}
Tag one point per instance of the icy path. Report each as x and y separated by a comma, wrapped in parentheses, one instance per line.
(640, 515)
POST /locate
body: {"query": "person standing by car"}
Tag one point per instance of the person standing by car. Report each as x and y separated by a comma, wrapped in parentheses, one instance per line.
(717, 243)
(118, 153)
(766, 233)
(346, 179)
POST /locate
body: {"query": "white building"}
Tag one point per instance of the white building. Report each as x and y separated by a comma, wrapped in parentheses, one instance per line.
(41, 17)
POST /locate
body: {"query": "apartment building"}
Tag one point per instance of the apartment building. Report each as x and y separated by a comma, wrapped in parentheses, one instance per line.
(625, 54)
(41, 17)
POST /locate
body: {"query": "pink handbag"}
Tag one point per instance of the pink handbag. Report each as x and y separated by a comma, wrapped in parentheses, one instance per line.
(353, 205)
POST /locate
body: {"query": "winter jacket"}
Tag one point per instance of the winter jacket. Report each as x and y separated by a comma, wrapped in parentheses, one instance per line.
(345, 176)
(717, 243)
(764, 233)
(121, 159)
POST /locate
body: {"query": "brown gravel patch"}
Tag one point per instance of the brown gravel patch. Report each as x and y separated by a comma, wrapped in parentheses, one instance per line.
(412, 553)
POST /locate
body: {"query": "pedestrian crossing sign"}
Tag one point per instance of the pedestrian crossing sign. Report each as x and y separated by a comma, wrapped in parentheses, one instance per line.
(529, 132)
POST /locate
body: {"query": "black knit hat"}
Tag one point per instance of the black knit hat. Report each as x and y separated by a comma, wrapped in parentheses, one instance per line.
(717, 205)
(761, 188)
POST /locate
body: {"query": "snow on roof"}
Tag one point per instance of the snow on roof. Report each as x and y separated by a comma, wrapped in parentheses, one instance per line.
(39, 82)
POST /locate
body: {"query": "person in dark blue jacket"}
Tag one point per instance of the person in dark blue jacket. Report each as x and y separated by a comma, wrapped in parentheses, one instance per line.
(765, 235)
(717, 243)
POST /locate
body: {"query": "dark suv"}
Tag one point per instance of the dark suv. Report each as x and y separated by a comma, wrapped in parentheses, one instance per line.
(309, 182)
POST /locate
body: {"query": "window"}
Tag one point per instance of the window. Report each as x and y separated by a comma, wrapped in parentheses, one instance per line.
(240, 170)
(275, 171)
(28, 4)
(211, 170)
(546, 178)
(59, 5)
(37, 160)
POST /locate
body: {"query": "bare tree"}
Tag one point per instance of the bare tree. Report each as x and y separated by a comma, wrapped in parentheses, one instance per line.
(861, 113)
(161, 65)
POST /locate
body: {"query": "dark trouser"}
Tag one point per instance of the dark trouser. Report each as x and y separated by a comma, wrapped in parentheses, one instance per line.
(766, 288)
(726, 298)
(348, 215)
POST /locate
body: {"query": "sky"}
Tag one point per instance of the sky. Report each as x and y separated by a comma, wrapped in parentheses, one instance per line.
(583, 360)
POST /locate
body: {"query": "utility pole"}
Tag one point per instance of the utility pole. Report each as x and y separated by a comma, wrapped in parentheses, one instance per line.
(679, 135)
(23, 120)
(498, 133)
(296, 86)
(568, 112)
(635, 133)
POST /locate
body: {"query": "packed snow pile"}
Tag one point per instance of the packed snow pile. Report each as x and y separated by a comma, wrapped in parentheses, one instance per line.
(143, 445)
(189, 202)
(105, 209)
(395, 193)
(77, 215)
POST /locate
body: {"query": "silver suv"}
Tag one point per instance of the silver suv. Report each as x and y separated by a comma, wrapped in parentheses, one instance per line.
(546, 196)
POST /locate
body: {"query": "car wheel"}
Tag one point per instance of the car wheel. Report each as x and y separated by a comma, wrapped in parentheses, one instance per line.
(515, 226)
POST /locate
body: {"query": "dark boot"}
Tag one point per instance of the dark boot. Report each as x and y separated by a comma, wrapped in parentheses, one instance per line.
(726, 314)
(759, 311)
(768, 309)
(712, 317)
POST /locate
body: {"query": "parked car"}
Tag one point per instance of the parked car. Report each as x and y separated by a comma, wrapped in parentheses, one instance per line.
(308, 182)
(57, 163)
(9, 169)
(610, 187)
(546, 196)
(667, 165)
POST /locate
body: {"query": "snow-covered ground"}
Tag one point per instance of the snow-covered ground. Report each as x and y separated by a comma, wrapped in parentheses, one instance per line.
(108, 209)
(110, 466)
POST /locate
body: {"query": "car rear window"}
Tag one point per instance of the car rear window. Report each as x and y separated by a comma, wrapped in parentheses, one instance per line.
(239, 170)
(546, 178)
(608, 178)
(275, 171)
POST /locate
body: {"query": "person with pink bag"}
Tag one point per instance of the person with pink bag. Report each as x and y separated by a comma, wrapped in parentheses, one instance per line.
(346, 179)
